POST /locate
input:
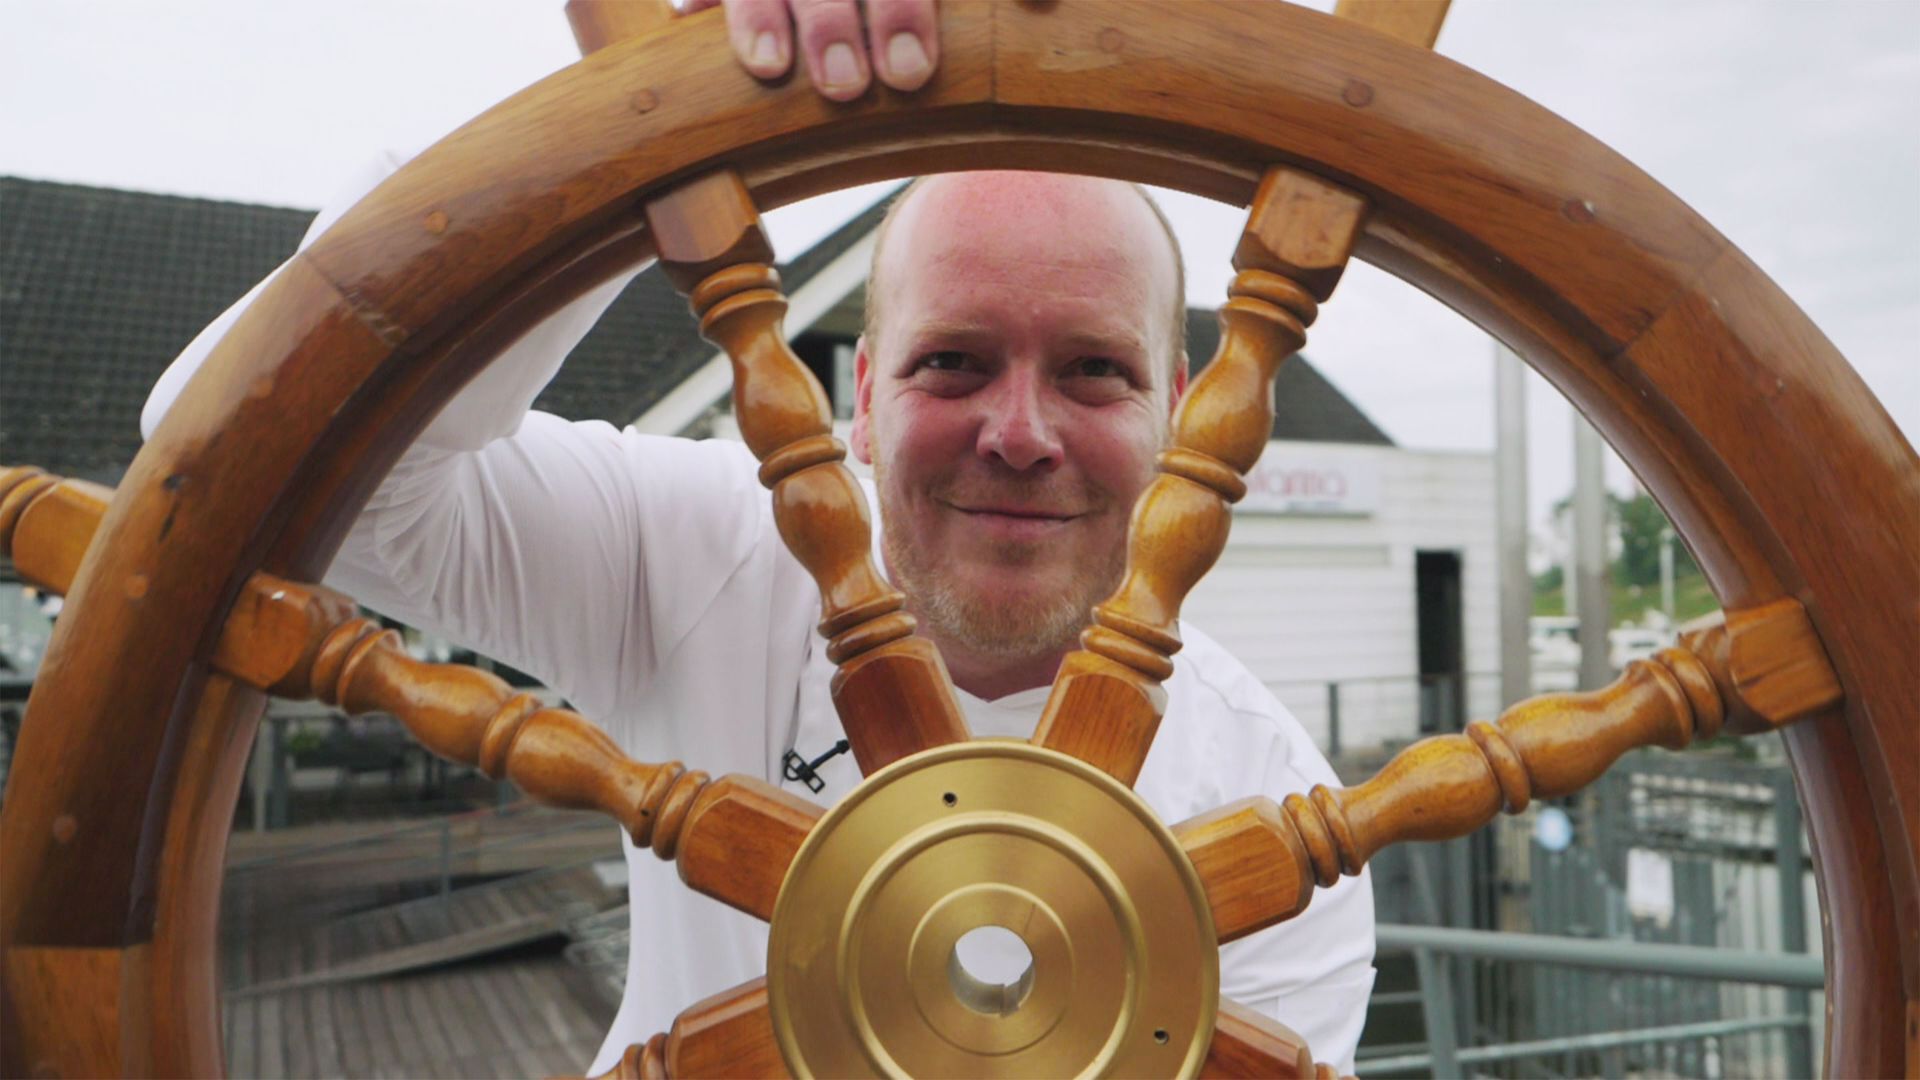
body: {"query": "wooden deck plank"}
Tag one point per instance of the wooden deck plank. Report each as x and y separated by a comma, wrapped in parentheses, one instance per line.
(376, 1026)
(463, 1032)
(272, 1051)
(501, 995)
(430, 1034)
(324, 1033)
(550, 1001)
(293, 1027)
(349, 1030)
(486, 1035)
(242, 1038)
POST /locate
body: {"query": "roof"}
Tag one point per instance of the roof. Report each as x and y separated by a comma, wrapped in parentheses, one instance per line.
(1306, 407)
(100, 289)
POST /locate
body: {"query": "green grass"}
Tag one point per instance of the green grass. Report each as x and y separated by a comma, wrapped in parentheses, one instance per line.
(1691, 597)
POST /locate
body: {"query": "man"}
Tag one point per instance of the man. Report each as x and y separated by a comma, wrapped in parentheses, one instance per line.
(1022, 358)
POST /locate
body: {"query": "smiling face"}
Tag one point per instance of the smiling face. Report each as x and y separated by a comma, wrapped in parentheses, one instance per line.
(1011, 401)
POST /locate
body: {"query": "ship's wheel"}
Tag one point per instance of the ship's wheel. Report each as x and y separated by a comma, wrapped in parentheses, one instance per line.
(1791, 485)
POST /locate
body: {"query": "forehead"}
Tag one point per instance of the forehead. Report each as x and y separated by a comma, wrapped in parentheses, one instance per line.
(1028, 232)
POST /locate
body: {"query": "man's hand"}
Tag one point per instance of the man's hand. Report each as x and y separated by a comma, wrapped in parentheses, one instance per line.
(901, 41)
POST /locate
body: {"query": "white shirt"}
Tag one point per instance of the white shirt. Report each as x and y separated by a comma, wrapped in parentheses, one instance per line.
(641, 577)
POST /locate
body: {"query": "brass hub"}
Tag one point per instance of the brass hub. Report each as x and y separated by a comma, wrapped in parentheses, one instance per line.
(862, 972)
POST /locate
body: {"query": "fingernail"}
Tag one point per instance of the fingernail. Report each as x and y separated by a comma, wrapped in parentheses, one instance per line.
(841, 68)
(905, 58)
(766, 50)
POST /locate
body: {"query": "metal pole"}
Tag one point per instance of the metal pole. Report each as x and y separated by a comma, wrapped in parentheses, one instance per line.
(1666, 575)
(1590, 554)
(1599, 1041)
(1436, 988)
(1333, 719)
(1510, 517)
(1689, 961)
(446, 863)
(1790, 868)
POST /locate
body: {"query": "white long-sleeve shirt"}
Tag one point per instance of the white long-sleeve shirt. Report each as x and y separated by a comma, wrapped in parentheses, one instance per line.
(641, 576)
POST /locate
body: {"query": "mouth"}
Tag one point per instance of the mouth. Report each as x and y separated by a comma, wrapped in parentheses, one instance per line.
(1016, 522)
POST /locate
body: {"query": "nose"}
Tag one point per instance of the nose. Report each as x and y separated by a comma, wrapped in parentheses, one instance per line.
(1018, 428)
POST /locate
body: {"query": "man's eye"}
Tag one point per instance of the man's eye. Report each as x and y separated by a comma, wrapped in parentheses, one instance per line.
(1098, 367)
(946, 361)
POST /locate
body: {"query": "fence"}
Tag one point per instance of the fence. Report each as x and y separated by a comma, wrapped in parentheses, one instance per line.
(1702, 853)
(1373, 710)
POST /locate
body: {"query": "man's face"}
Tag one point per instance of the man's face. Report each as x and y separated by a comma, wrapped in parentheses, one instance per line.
(1011, 403)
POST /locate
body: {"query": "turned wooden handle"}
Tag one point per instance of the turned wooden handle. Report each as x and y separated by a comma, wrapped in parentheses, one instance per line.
(473, 717)
(1106, 702)
(891, 689)
(1259, 861)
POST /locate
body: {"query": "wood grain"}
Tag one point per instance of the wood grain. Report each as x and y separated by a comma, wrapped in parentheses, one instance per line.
(1416, 22)
(559, 758)
(1768, 664)
(892, 690)
(1252, 863)
(1784, 476)
(727, 1035)
(74, 992)
(1258, 861)
(53, 526)
(597, 24)
(1251, 1045)
(1106, 705)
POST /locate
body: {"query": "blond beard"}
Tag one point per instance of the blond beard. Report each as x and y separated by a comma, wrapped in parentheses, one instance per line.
(1030, 624)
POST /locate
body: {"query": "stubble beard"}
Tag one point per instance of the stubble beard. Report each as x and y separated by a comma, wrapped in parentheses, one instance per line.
(1009, 623)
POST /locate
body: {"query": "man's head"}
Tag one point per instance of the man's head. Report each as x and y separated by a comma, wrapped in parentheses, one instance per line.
(1022, 357)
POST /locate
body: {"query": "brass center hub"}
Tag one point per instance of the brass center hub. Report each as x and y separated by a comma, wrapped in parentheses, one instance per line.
(862, 973)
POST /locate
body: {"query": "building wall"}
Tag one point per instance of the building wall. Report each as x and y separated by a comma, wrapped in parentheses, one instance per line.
(1305, 599)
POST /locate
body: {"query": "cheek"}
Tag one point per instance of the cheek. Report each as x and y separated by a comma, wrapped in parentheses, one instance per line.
(916, 436)
(1118, 457)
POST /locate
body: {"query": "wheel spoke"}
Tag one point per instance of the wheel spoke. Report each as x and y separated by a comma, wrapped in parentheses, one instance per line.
(739, 838)
(892, 690)
(1247, 1044)
(1252, 864)
(729, 1034)
(1751, 671)
(1107, 699)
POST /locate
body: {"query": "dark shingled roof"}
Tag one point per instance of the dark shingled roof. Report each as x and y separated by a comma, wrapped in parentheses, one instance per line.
(100, 289)
(1306, 407)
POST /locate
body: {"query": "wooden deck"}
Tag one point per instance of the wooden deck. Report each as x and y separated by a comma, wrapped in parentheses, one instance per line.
(517, 1016)
(326, 975)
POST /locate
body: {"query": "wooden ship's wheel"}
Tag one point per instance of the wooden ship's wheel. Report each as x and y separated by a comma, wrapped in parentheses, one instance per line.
(1789, 482)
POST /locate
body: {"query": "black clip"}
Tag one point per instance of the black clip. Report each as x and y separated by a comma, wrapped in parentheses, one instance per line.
(806, 772)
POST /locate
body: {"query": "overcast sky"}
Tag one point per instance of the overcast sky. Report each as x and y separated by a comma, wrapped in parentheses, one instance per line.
(1793, 127)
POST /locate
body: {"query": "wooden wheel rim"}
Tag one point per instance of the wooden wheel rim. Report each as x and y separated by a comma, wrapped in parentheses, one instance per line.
(1708, 381)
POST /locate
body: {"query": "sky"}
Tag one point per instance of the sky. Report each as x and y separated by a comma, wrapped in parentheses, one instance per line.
(1793, 127)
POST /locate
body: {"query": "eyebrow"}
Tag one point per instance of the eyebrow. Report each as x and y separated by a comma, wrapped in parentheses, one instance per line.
(1124, 341)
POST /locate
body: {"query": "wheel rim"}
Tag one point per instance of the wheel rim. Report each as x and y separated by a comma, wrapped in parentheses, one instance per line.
(1695, 367)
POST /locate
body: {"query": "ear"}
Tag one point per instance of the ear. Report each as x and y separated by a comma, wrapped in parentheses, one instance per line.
(862, 434)
(1179, 386)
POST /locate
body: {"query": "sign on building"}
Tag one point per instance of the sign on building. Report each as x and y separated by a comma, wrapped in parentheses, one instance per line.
(1312, 484)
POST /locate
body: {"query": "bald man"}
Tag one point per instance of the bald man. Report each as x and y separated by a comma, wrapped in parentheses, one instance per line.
(1022, 358)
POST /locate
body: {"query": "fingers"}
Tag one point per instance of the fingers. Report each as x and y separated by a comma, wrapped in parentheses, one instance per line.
(762, 34)
(900, 42)
(831, 45)
(904, 41)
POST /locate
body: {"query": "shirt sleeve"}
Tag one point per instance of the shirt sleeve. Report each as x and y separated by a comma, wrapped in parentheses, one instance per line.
(523, 535)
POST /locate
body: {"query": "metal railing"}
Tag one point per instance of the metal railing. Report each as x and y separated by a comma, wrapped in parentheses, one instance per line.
(1664, 1049)
(1701, 852)
(1369, 710)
